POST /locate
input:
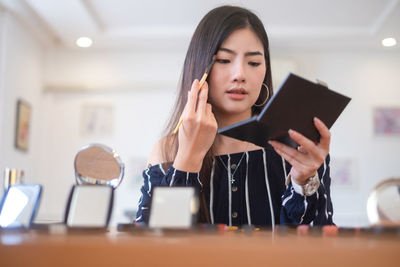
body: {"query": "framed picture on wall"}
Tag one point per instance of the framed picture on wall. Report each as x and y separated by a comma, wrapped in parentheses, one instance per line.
(97, 120)
(344, 173)
(22, 125)
(386, 121)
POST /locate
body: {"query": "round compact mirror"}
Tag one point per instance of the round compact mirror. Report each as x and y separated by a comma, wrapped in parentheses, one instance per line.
(383, 205)
(98, 164)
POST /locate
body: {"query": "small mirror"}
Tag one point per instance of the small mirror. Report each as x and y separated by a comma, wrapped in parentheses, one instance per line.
(173, 207)
(89, 206)
(98, 171)
(98, 164)
(19, 205)
(383, 206)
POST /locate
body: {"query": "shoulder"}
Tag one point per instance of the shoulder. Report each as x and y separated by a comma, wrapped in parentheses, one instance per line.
(157, 154)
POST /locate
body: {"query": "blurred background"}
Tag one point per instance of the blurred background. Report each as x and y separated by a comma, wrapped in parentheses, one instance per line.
(120, 89)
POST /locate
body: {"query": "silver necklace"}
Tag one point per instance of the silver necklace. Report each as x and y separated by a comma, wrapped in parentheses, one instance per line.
(236, 168)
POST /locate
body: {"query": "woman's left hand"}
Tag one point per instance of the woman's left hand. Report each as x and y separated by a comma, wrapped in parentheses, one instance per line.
(309, 157)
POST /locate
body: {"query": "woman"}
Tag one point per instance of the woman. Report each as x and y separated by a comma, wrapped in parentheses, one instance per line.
(240, 183)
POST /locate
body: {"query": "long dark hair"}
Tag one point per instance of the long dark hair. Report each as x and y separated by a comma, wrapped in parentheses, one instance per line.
(212, 31)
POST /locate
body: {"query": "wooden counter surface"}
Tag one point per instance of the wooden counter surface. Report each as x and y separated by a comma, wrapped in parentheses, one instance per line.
(260, 248)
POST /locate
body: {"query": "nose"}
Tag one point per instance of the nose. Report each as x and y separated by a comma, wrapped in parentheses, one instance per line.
(238, 72)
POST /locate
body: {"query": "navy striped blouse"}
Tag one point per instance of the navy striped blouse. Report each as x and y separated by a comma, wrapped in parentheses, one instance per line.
(253, 192)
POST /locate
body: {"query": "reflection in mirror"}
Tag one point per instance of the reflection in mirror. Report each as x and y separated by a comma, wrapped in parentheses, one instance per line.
(98, 164)
(19, 205)
(383, 206)
(89, 206)
(173, 207)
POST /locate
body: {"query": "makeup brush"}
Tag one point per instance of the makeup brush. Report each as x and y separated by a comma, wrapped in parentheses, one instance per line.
(201, 83)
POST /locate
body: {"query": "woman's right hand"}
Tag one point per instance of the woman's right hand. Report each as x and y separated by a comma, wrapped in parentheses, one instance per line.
(197, 132)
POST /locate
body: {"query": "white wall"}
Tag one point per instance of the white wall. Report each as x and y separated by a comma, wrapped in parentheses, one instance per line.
(21, 77)
(2, 89)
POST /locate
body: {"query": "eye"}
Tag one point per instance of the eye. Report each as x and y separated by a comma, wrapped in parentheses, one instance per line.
(223, 61)
(254, 64)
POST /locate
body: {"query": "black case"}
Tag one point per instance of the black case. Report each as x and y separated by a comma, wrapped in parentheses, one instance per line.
(294, 106)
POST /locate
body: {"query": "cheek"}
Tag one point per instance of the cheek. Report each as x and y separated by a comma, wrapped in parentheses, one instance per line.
(216, 77)
(257, 79)
(216, 82)
(260, 75)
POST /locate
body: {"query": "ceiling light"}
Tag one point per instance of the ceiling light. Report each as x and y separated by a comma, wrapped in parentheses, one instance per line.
(84, 42)
(389, 42)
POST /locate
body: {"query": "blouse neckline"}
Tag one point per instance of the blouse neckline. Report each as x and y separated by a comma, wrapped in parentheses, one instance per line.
(235, 154)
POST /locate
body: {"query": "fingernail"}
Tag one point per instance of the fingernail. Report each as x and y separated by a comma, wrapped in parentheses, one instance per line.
(316, 119)
(292, 131)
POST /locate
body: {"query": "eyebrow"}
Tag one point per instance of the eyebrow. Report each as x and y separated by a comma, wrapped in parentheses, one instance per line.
(253, 53)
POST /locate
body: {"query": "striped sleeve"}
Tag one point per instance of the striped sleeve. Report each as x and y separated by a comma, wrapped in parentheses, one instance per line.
(156, 176)
(317, 208)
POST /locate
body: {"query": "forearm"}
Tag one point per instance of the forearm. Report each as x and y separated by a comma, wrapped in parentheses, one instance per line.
(317, 208)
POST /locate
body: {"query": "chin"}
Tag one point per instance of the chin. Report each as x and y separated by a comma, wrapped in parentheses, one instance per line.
(236, 109)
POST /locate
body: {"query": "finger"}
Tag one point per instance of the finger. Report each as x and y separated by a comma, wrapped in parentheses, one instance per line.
(305, 143)
(202, 100)
(289, 151)
(300, 167)
(300, 139)
(192, 99)
(324, 132)
(185, 108)
(302, 150)
(210, 114)
(209, 109)
(289, 158)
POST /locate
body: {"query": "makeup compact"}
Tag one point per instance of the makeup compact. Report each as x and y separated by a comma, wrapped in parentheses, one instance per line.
(98, 172)
(19, 206)
(293, 106)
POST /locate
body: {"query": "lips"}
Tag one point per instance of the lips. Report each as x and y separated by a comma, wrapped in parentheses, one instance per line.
(239, 91)
(237, 94)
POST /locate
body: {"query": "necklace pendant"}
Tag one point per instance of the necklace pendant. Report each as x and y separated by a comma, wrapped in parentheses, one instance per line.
(232, 180)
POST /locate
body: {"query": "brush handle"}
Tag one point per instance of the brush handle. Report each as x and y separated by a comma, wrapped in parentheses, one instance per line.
(201, 83)
(178, 125)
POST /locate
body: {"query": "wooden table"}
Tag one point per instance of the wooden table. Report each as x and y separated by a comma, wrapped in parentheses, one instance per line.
(237, 248)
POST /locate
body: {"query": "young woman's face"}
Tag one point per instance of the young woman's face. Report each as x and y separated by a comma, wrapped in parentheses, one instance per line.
(236, 78)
